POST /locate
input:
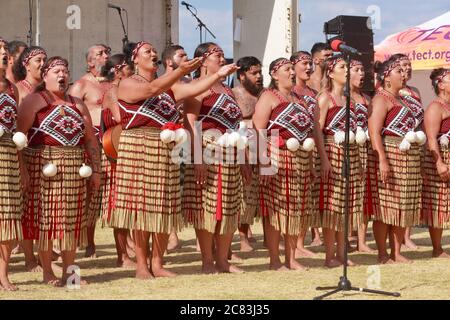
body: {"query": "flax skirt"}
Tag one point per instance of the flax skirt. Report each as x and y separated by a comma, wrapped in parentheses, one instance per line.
(250, 199)
(94, 198)
(436, 193)
(400, 199)
(286, 200)
(55, 206)
(219, 199)
(329, 196)
(10, 191)
(145, 191)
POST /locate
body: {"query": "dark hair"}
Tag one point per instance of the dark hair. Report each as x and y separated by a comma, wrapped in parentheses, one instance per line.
(399, 56)
(108, 70)
(433, 76)
(273, 84)
(295, 55)
(19, 70)
(380, 67)
(319, 46)
(169, 52)
(245, 63)
(41, 86)
(200, 51)
(14, 47)
(128, 52)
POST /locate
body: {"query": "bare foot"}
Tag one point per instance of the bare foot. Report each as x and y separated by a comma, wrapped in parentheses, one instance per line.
(173, 244)
(294, 265)
(163, 273)
(350, 263)
(245, 246)
(316, 242)
(5, 284)
(144, 275)
(333, 263)
(90, 252)
(364, 248)
(126, 264)
(234, 257)
(385, 259)
(228, 268)
(410, 245)
(303, 252)
(440, 254)
(33, 266)
(208, 269)
(52, 280)
(400, 259)
(278, 267)
(64, 282)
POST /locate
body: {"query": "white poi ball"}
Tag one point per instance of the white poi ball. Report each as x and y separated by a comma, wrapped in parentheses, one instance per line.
(308, 144)
(167, 136)
(367, 135)
(339, 137)
(233, 139)
(417, 123)
(351, 137)
(242, 125)
(49, 170)
(20, 140)
(358, 128)
(404, 145)
(292, 144)
(242, 142)
(1, 131)
(411, 137)
(443, 141)
(223, 140)
(421, 138)
(361, 137)
(85, 171)
(180, 135)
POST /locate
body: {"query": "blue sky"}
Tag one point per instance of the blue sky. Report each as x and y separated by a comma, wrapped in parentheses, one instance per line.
(394, 16)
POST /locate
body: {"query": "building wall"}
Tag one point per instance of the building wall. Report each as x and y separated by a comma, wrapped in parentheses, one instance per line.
(268, 30)
(69, 27)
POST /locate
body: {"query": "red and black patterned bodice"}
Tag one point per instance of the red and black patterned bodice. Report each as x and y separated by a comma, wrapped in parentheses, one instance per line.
(399, 119)
(362, 113)
(26, 85)
(308, 97)
(220, 111)
(444, 130)
(57, 125)
(335, 120)
(8, 110)
(153, 112)
(415, 104)
(291, 119)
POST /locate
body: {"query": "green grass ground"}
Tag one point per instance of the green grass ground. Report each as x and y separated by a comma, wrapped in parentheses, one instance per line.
(425, 278)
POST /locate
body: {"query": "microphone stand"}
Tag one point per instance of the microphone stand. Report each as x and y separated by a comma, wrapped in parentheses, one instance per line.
(344, 283)
(200, 25)
(30, 29)
(125, 34)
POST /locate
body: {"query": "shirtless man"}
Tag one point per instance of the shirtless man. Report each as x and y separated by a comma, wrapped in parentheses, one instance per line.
(15, 49)
(89, 88)
(246, 93)
(320, 52)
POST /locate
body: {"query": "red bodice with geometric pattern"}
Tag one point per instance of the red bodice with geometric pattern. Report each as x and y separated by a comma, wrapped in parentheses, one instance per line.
(57, 125)
(8, 110)
(153, 112)
(361, 113)
(335, 120)
(415, 105)
(307, 97)
(220, 111)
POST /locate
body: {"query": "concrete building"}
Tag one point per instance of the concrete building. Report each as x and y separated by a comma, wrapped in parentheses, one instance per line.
(266, 29)
(68, 27)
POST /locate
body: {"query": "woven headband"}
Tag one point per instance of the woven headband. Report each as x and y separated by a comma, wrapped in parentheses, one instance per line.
(278, 65)
(212, 51)
(120, 66)
(33, 53)
(442, 76)
(403, 58)
(333, 62)
(389, 68)
(55, 63)
(138, 47)
(302, 57)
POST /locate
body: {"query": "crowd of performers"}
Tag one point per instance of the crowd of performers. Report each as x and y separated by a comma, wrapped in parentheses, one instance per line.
(56, 181)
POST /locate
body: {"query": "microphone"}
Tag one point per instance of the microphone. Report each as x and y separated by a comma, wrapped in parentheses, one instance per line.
(340, 46)
(115, 7)
(185, 4)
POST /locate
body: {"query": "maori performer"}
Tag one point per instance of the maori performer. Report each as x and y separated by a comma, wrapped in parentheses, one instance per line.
(15, 50)
(212, 194)
(146, 193)
(362, 105)
(11, 165)
(90, 89)
(436, 185)
(398, 160)
(320, 52)
(246, 94)
(330, 192)
(286, 181)
(60, 136)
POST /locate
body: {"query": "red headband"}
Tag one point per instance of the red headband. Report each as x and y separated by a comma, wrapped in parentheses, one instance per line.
(212, 51)
(55, 63)
(442, 76)
(355, 63)
(120, 66)
(33, 53)
(332, 63)
(302, 57)
(403, 58)
(138, 47)
(390, 67)
(278, 65)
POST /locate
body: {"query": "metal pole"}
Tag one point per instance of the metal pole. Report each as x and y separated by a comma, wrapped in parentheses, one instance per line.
(38, 22)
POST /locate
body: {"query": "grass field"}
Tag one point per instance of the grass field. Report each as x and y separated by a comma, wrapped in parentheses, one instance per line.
(425, 278)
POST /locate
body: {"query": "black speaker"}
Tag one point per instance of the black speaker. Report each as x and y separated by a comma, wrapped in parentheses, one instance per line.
(356, 32)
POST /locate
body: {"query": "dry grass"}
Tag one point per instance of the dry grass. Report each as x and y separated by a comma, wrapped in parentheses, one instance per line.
(424, 279)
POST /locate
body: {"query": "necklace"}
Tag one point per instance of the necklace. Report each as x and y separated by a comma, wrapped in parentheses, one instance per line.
(98, 79)
(141, 76)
